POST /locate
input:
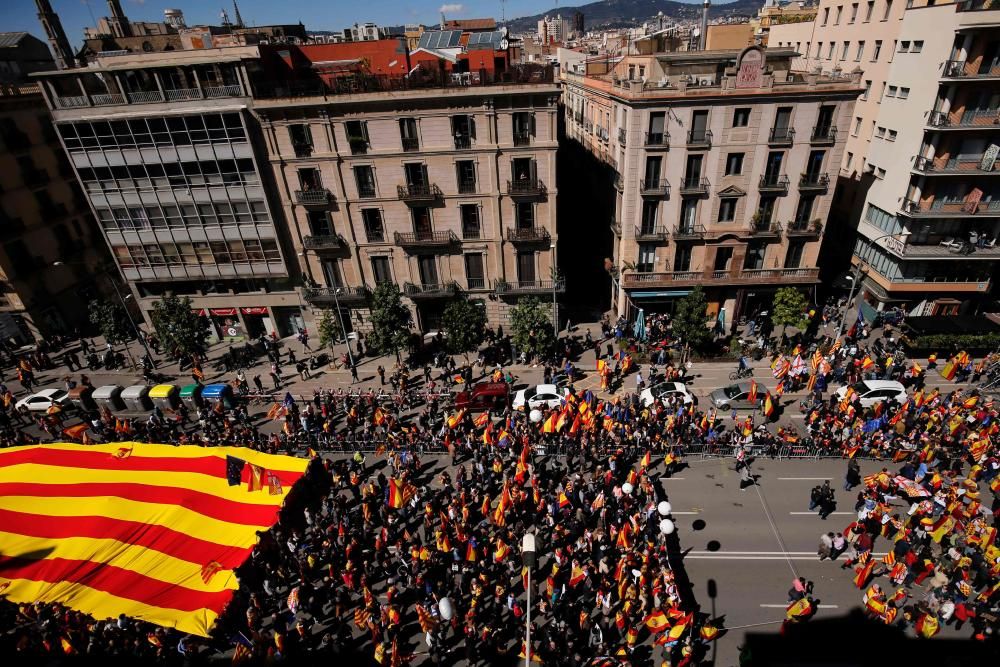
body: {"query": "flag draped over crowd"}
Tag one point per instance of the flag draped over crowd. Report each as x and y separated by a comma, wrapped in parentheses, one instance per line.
(150, 531)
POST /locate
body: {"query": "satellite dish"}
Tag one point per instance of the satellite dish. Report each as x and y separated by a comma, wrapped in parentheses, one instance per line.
(504, 44)
(696, 32)
(503, 30)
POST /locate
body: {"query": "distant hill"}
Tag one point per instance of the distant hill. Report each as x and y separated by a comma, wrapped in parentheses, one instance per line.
(619, 13)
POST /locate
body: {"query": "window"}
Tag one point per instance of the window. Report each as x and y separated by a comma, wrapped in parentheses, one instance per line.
(857, 126)
(881, 92)
(829, 51)
(470, 221)
(526, 267)
(868, 89)
(357, 136)
(840, 10)
(880, 173)
(918, 46)
(689, 214)
(893, 52)
(381, 270)
(819, 49)
(888, 8)
(754, 258)
(372, 219)
(319, 223)
(524, 127)
(826, 15)
(793, 256)
(734, 164)
(682, 258)
(657, 125)
(524, 215)
(904, 93)
(879, 132)
(741, 117)
(850, 159)
(466, 175)
(803, 210)
(649, 211)
(892, 91)
(727, 209)
(869, 8)
(364, 177)
(301, 138)
(860, 52)
(904, 46)
(844, 49)
(877, 51)
(647, 258)
(475, 273)
(891, 135)
(854, 13)
(408, 134)
(463, 128)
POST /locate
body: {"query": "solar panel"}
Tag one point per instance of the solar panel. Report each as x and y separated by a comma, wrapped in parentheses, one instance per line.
(440, 39)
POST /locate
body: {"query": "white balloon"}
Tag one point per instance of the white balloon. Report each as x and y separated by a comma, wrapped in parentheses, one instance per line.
(663, 508)
(444, 606)
(627, 488)
(535, 416)
(666, 526)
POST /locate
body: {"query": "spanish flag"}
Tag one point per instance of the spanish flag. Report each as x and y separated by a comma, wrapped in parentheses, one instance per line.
(563, 418)
(624, 540)
(768, 405)
(799, 609)
(456, 419)
(563, 501)
(312, 453)
(549, 425)
(752, 396)
(378, 417)
(470, 552)
(482, 420)
(867, 364)
(576, 575)
(396, 494)
(680, 627)
(927, 626)
(864, 573)
(970, 402)
(657, 621)
(646, 459)
(500, 552)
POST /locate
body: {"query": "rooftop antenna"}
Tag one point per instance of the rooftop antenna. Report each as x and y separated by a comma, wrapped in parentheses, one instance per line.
(503, 11)
(236, 15)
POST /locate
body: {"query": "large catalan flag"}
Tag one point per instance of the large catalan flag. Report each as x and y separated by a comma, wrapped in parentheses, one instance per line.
(150, 531)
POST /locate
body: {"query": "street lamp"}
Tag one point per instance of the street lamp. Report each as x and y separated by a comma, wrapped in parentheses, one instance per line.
(340, 315)
(530, 560)
(121, 298)
(856, 279)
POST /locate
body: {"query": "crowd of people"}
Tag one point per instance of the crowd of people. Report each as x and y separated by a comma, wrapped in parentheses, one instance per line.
(400, 552)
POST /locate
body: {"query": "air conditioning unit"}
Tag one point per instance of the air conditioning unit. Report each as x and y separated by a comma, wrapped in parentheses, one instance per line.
(705, 82)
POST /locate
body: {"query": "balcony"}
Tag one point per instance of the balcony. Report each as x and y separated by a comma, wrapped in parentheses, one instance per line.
(725, 277)
(616, 227)
(657, 141)
(475, 283)
(503, 288)
(689, 232)
(528, 235)
(765, 230)
(463, 141)
(969, 119)
(804, 228)
(578, 117)
(526, 187)
(410, 144)
(814, 182)
(694, 186)
(950, 209)
(467, 187)
(946, 248)
(71, 101)
(430, 290)
(654, 187)
(522, 138)
(976, 6)
(427, 240)
(313, 197)
(107, 99)
(367, 191)
(781, 136)
(330, 296)
(699, 139)
(358, 145)
(234, 90)
(182, 94)
(773, 183)
(651, 233)
(419, 193)
(323, 242)
(302, 149)
(957, 165)
(622, 136)
(145, 97)
(823, 135)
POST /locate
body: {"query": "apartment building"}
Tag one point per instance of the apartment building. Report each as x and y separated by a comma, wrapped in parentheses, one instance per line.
(927, 239)
(723, 162)
(437, 175)
(169, 155)
(43, 216)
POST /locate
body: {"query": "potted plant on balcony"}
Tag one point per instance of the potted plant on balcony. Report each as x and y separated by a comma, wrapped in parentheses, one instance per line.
(501, 286)
(755, 220)
(816, 225)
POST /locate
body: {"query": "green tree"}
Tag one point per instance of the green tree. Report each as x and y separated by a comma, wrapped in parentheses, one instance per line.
(531, 327)
(181, 330)
(464, 324)
(790, 308)
(390, 319)
(690, 321)
(112, 321)
(329, 329)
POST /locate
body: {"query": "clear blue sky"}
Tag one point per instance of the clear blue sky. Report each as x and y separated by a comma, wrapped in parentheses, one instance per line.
(316, 14)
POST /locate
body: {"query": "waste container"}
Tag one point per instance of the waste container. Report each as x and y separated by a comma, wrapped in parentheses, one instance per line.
(214, 393)
(164, 396)
(82, 396)
(136, 398)
(191, 396)
(109, 396)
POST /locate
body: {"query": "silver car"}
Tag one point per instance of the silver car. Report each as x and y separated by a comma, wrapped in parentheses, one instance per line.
(736, 395)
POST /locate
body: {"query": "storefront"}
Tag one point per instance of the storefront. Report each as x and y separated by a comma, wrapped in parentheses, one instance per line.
(257, 321)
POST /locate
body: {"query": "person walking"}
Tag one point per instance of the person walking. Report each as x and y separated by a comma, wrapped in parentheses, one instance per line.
(354, 373)
(381, 375)
(853, 476)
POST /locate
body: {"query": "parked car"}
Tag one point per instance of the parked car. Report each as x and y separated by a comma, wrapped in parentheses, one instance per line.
(46, 398)
(664, 392)
(875, 391)
(736, 396)
(540, 397)
(484, 396)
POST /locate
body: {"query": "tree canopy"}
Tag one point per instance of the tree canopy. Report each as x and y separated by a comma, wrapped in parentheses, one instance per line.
(464, 324)
(178, 326)
(690, 321)
(531, 327)
(790, 308)
(390, 319)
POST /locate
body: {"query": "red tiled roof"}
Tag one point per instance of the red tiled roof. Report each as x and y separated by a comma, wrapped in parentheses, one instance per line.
(470, 24)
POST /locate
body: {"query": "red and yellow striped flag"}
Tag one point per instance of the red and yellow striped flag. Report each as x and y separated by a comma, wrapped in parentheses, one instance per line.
(155, 535)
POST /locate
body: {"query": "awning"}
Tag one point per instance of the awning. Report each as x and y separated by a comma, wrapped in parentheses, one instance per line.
(254, 310)
(659, 295)
(222, 312)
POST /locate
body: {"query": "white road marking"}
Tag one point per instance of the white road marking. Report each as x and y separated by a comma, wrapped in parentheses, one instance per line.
(785, 606)
(811, 479)
(673, 478)
(817, 513)
(682, 513)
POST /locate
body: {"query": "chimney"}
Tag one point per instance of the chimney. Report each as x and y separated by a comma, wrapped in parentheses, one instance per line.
(703, 37)
(119, 22)
(57, 37)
